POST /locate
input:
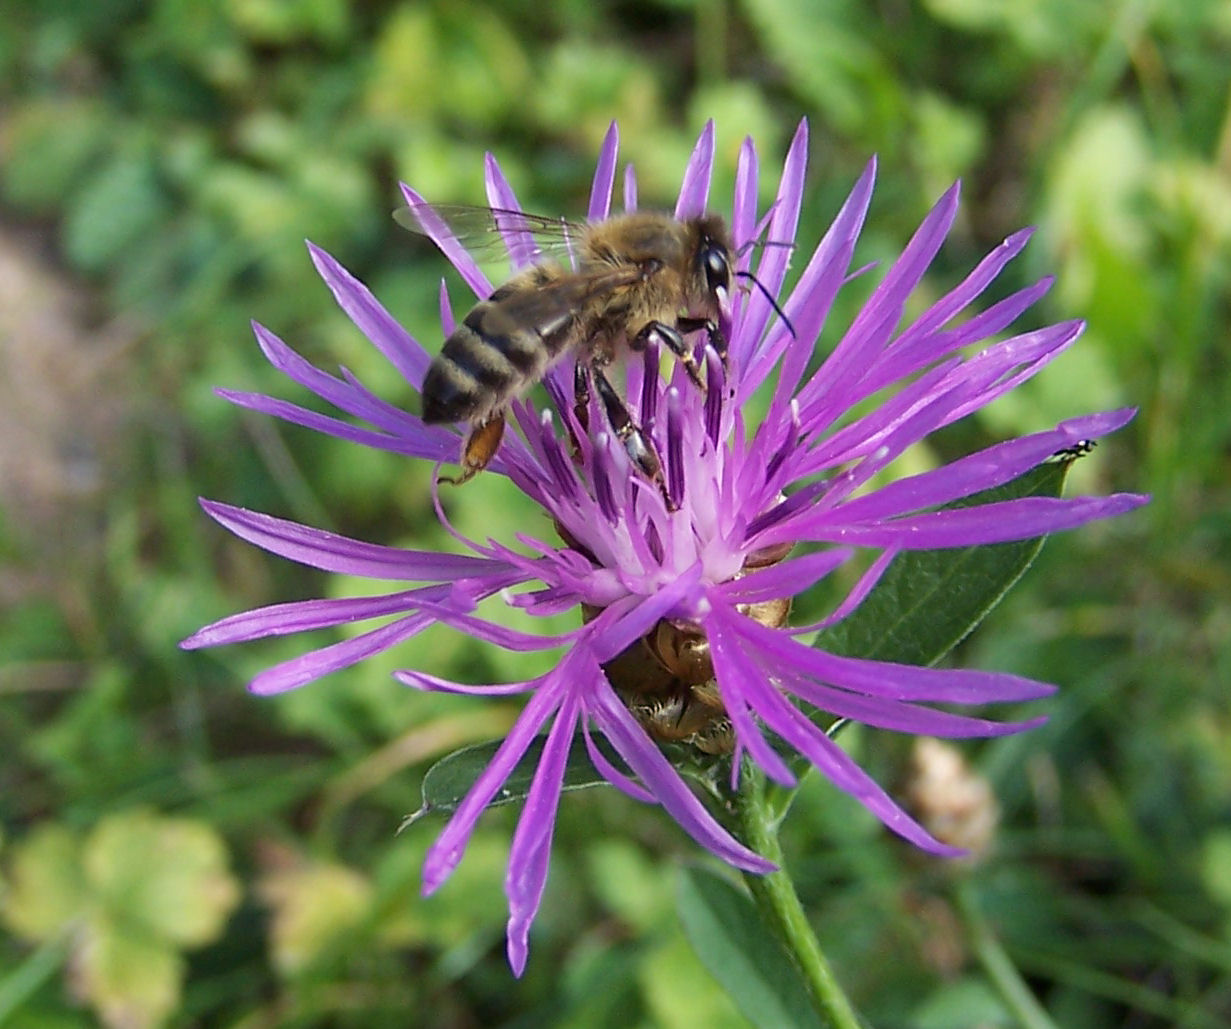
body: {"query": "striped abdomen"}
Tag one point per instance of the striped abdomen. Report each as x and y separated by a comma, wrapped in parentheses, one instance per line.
(505, 345)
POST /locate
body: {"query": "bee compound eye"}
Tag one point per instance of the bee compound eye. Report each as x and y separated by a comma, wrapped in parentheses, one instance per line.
(717, 269)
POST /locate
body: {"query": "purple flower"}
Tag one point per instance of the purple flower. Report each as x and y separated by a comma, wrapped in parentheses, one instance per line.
(685, 595)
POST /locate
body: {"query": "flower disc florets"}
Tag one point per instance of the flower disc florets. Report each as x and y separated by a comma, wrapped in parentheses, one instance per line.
(685, 585)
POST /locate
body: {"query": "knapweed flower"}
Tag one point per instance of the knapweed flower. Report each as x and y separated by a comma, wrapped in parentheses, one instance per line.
(683, 587)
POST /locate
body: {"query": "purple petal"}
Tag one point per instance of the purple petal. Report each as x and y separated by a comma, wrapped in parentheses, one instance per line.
(885, 678)
(440, 234)
(447, 322)
(744, 206)
(531, 850)
(774, 260)
(613, 639)
(985, 469)
(612, 774)
(794, 727)
(303, 616)
(957, 299)
(809, 301)
(443, 855)
(432, 444)
(344, 396)
(865, 435)
(739, 682)
(696, 186)
(313, 665)
(1002, 522)
(362, 308)
(874, 324)
(604, 175)
(895, 715)
(434, 684)
(912, 351)
(785, 579)
(855, 597)
(501, 636)
(649, 765)
(520, 242)
(333, 553)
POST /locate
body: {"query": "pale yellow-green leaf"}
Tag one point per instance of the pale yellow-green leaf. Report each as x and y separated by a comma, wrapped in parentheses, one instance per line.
(43, 889)
(132, 980)
(314, 906)
(1216, 866)
(1196, 193)
(168, 876)
(1097, 189)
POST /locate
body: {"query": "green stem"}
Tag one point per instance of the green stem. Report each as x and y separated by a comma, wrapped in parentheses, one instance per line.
(998, 966)
(776, 899)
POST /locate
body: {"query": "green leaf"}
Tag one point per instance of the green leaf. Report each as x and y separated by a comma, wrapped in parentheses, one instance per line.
(120, 203)
(729, 936)
(929, 600)
(449, 779)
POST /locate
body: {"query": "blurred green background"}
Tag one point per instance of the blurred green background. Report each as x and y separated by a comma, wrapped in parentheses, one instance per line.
(177, 852)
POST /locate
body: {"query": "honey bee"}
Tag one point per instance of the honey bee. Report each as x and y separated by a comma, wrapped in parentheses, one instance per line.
(637, 278)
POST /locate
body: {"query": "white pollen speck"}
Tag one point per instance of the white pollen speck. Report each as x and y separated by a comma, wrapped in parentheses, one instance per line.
(881, 452)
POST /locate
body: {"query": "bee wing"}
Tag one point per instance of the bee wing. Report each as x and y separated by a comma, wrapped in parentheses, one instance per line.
(482, 230)
(558, 308)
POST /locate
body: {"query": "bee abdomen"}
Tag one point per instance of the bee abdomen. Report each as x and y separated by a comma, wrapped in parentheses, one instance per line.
(486, 360)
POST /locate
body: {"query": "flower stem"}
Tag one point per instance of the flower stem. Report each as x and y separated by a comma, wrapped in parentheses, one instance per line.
(776, 899)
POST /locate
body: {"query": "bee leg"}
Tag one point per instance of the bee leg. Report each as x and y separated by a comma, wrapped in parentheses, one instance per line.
(638, 445)
(581, 406)
(716, 338)
(676, 343)
(481, 447)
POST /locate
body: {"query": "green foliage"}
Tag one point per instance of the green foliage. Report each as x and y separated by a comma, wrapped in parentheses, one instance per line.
(730, 937)
(162, 163)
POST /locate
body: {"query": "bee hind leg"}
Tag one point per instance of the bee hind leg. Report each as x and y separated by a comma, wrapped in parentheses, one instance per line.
(481, 446)
(637, 443)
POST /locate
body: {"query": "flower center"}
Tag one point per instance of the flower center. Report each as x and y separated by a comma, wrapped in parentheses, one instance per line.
(666, 678)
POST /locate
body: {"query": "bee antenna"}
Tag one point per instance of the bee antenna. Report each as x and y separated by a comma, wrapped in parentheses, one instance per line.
(749, 244)
(768, 296)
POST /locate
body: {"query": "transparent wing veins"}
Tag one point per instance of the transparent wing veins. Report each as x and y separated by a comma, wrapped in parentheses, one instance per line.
(491, 229)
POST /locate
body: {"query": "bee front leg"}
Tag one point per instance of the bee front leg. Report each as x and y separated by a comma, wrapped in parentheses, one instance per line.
(670, 336)
(715, 335)
(481, 447)
(637, 444)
